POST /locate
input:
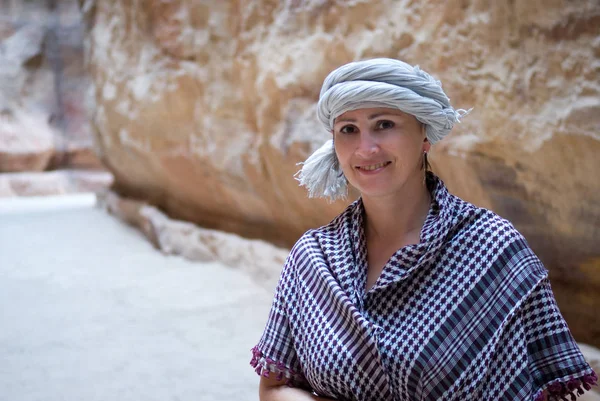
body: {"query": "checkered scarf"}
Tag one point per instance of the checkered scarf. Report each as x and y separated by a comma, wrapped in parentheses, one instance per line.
(466, 314)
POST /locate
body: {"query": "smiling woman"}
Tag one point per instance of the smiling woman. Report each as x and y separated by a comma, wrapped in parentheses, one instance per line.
(380, 150)
(411, 293)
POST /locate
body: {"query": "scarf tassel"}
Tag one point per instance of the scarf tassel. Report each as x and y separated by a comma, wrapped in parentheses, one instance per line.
(263, 366)
(572, 389)
(322, 176)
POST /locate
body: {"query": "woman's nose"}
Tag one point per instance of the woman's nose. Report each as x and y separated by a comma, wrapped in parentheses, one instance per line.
(367, 144)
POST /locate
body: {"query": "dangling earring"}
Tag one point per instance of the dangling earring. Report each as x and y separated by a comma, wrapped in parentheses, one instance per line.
(425, 167)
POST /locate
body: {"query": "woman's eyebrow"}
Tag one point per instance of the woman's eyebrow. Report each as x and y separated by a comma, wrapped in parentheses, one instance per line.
(345, 120)
(371, 117)
(385, 113)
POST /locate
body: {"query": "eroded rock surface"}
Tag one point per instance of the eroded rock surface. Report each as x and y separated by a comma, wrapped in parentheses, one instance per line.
(43, 83)
(260, 259)
(204, 108)
(58, 182)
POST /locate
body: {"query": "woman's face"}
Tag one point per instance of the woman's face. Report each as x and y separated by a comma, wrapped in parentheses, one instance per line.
(380, 150)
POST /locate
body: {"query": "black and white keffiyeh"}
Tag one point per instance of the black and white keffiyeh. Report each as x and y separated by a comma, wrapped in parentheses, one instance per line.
(466, 314)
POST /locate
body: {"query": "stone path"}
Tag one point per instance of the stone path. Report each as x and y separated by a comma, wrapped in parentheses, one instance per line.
(90, 311)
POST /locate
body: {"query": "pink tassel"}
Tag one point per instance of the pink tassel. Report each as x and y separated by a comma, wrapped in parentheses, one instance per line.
(264, 364)
(590, 380)
(573, 384)
(555, 388)
(572, 388)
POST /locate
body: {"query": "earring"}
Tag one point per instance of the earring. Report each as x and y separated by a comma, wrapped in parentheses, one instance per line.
(425, 167)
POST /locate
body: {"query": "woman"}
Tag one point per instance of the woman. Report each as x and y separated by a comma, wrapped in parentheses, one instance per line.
(411, 293)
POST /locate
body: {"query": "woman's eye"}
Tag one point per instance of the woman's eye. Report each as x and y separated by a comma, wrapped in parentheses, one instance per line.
(348, 129)
(385, 124)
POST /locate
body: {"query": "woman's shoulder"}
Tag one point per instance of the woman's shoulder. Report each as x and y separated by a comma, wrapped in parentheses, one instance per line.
(486, 221)
(336, 225)
(487, 231)
(465, 216)
(329, 235)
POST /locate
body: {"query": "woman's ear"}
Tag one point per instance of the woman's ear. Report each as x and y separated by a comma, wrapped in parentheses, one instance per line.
(426, 145)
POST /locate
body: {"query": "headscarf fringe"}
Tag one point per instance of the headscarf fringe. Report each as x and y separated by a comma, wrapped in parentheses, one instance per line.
(322, 176)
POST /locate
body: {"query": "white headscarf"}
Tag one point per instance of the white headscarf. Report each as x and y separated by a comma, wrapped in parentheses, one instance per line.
(380, 82)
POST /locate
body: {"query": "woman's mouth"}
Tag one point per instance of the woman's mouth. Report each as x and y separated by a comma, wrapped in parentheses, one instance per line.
(373, 167)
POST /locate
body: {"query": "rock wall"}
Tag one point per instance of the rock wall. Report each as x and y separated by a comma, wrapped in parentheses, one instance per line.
(43, 85)
(204, 108)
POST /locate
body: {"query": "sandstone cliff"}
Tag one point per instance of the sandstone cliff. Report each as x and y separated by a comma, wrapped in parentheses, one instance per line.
(204, 109)
(43, 118)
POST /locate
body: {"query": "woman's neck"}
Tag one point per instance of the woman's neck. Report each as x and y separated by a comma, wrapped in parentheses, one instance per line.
(397, 217)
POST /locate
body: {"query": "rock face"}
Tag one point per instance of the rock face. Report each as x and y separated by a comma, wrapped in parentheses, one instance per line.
(43, 82)
(204, 108)
(57, 182)
(259, 259)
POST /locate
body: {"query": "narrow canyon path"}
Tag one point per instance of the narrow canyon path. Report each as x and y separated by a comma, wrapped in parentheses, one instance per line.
(89, 310)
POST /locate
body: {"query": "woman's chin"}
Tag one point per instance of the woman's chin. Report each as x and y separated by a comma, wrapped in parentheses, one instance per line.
(374, 191)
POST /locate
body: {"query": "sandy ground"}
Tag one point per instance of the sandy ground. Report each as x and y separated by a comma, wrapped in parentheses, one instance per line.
(90, 311)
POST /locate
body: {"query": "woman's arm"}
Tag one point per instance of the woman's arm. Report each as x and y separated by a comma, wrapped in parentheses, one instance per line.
(271, 389)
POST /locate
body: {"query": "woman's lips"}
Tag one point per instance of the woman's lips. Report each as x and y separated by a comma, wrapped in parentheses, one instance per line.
(370, 168)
